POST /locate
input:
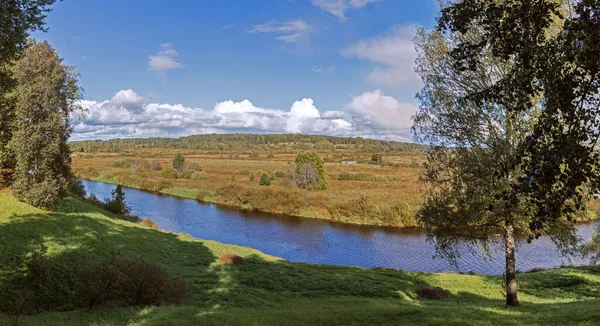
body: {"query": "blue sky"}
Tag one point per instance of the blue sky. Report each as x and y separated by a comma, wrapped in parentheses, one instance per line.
(141, 61)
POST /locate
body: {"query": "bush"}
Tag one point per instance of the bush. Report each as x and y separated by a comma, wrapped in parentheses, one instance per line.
(270, 155)
(168, 173)
(244, 172)
(251, 178)
(187, 174)
(130, 281)
(415, 165)
(155, 165)
(265, 180)
(376, 159)
(77, 188)
(254, 155)
(148, 223)
(193, 166)
(199, 176)
(279, 174)
(232, 177)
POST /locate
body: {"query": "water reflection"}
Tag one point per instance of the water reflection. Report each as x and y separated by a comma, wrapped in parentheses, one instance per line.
(316, 241)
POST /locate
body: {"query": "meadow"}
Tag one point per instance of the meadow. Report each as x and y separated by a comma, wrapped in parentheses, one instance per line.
(385, 194)
(266, 290)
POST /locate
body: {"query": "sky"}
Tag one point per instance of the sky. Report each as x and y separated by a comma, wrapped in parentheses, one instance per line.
(158, 68)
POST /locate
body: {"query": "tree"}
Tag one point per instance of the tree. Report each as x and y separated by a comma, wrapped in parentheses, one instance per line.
(116, 204)
(45, 96)
(178, 163)
(18, 18)
(377, 159)
(316, 161)
(265, 180)
(510, 106)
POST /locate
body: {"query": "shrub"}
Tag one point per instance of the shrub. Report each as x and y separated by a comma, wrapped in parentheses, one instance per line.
(187, 174)
(77, 188)
(148, 223)
(415, 165)
(244, 172)
(193, 166)
(155, 165)
(126, 280)
(254, 155)
(279, 174)
(264, 180)
(199, 176)
(270, 155)
(232, 177)
(168, 173)
(376, 159)
(251, 178)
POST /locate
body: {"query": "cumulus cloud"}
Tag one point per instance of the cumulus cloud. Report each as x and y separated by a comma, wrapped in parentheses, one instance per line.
(316, 69)
(167, 58)
(338, 8)
(393, 56)
(290, 31)
(128, 115)
(384, 114)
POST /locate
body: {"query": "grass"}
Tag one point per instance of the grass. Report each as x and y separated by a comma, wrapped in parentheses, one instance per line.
(266, 290)
(393, 185)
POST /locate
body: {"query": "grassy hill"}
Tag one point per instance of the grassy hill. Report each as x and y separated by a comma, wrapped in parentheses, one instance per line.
(266, 290)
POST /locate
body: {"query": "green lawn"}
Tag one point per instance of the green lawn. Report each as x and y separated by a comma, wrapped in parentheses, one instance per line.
(267, 291)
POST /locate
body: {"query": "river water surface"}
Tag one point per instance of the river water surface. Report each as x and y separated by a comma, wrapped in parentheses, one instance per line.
(322, 242)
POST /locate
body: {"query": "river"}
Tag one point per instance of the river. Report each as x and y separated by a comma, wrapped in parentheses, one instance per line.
(322, 242)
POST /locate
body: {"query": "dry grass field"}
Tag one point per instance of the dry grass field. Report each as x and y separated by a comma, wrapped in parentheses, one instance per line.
(386, 194)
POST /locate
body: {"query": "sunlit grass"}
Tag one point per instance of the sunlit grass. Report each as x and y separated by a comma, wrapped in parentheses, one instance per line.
(268, 291)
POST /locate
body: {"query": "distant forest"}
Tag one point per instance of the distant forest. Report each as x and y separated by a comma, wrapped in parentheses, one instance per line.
(245, 142)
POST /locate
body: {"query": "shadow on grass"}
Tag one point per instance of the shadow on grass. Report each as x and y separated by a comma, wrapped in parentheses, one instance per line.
(261, 291)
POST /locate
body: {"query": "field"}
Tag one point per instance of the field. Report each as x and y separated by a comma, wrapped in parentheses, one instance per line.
(268, 291)
(379, 194)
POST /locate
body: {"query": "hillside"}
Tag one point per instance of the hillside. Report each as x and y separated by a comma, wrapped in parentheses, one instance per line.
(267, 291)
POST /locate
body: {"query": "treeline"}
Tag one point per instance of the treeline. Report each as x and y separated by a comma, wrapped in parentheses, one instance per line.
(241, 142)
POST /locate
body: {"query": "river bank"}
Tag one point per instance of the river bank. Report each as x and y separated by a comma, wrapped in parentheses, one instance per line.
(318, 241)
(268, 290)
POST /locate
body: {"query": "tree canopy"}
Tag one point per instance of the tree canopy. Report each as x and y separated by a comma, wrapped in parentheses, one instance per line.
(510, 104)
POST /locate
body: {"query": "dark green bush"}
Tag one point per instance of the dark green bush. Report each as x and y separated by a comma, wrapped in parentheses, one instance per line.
(187, 174)
(129, 281)
(265, 180)
(77, 188)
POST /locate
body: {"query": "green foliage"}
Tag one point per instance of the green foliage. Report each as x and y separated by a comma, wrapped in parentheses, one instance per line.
(251, 178)
(168, 173)
(245, 172)
(199, 176)
(509, 104)
(18, 19)
(279, 174)
(187, 174)
(232, 178)
(178, 163)
(77, 188)
(265, 180)
(132, 281)
(116, 204)
(314, 159)
(44, 99)
(377, 159)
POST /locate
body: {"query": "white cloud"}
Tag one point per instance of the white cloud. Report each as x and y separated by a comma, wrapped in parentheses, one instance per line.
(331, 69)
(167, 58)
(338, 8)
(375, 111)
(393, 56)
(333, 115)
(126, 115)
(316, 69)
(290, 31)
